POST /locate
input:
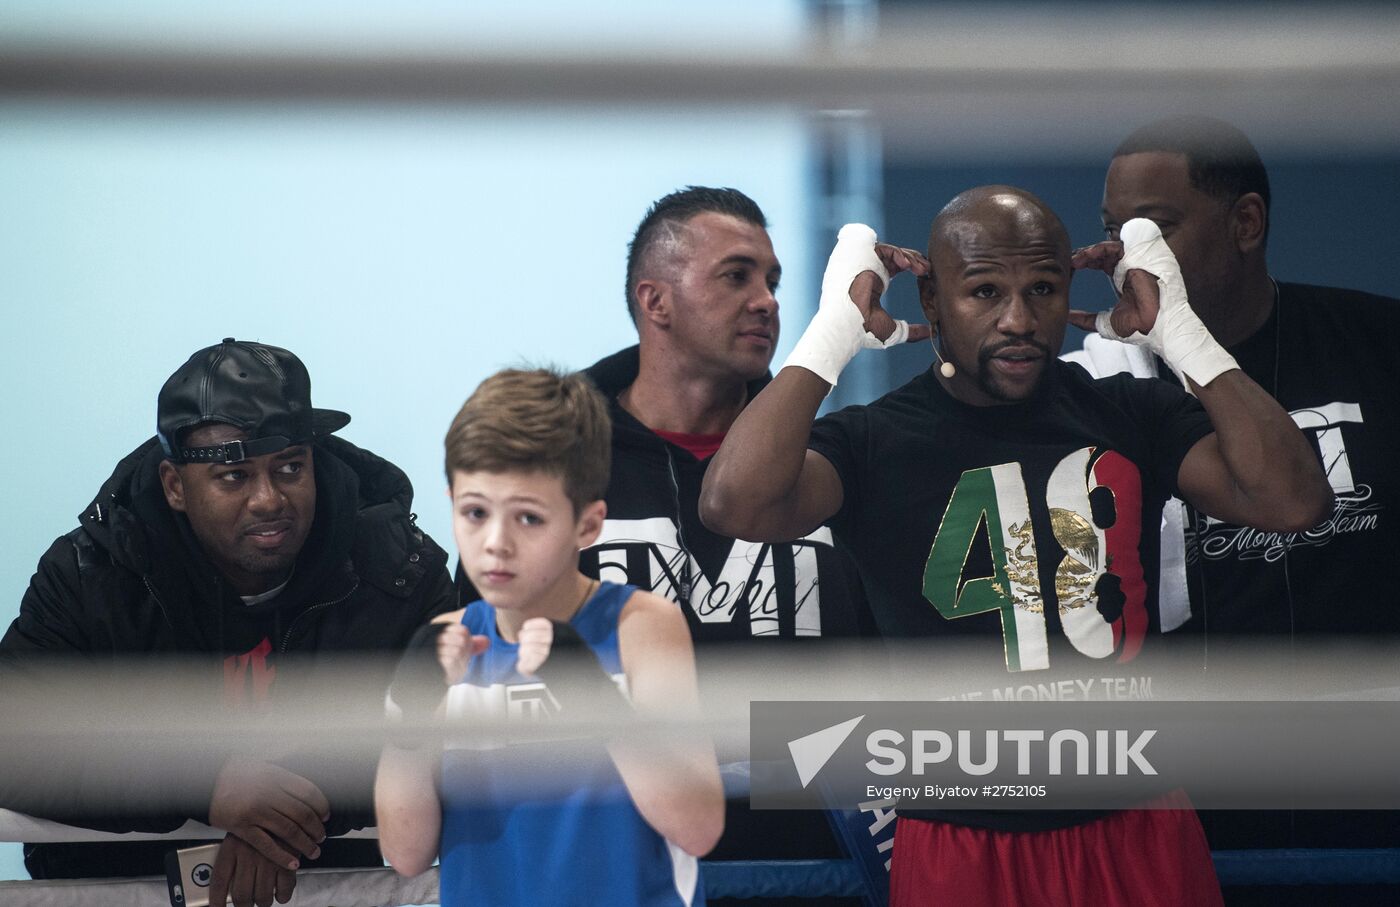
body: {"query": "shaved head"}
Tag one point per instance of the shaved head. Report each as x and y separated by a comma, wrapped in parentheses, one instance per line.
(998, 295)
(993, 213)
(666, 252)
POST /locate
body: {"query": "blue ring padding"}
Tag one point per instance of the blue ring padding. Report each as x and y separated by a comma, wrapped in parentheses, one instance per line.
(781, 878)
(1307, 867)
(840, 878)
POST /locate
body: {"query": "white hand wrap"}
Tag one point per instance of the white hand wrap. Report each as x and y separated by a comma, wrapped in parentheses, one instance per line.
(837, 331)
(1178, 335)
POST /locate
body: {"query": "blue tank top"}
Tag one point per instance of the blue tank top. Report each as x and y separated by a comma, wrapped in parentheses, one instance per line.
(523, 826)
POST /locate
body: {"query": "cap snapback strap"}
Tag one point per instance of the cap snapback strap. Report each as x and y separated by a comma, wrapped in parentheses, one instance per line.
(233, 451)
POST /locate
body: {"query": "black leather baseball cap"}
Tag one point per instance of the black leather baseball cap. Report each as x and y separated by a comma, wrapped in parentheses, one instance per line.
(263, 390)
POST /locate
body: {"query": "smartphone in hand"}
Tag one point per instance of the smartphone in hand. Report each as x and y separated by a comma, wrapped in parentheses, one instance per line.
(188, 873)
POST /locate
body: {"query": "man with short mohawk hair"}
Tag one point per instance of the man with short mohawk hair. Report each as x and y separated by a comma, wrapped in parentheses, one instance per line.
(702, 279)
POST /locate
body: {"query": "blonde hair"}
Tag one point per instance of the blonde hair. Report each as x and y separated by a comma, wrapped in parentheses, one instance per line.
(535, 420)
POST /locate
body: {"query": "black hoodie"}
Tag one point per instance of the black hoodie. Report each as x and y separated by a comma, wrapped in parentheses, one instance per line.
(133, 581)
(729, 589)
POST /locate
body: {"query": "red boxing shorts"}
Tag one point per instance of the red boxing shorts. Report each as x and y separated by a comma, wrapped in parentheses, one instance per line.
(1136, 858)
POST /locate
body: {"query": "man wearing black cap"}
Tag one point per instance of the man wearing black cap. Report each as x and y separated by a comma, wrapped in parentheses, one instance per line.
(244, 530)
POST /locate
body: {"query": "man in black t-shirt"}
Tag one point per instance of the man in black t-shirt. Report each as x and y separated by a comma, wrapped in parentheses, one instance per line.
(1008, 494)
(1327, 355)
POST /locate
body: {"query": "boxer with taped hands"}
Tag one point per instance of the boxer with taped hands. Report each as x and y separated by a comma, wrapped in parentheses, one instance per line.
(1005, 368)
(990, 467)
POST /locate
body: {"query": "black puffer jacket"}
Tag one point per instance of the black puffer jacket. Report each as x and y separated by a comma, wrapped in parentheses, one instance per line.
(132, 578)
(133, 581)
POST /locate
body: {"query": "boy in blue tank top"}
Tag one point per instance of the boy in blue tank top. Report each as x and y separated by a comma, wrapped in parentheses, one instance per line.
(527, 465)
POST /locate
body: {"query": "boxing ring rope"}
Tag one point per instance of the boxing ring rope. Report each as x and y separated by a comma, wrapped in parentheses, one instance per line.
(741, 879)
(76, 709)
(1061, 79)
(315, 888)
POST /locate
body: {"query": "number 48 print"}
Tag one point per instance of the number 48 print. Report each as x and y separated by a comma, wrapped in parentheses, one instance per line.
(1099, 587)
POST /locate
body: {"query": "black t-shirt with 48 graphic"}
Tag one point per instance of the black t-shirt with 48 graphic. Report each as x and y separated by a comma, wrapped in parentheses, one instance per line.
(1035, 523)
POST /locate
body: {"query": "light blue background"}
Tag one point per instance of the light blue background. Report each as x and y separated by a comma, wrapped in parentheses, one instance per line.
(403, 252)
